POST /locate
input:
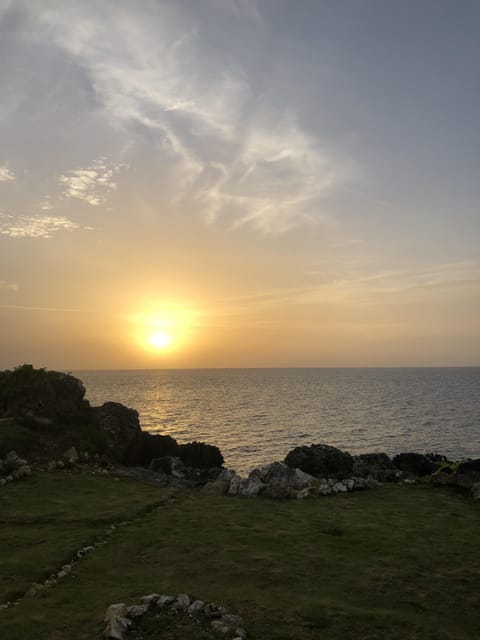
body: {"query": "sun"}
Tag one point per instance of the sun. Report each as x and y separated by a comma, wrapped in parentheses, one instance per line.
(162, 331)
(160, 340)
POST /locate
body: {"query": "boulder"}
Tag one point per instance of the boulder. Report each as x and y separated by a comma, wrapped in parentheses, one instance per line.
(13, 462)
(196, 607)
(376, 465)
(122, 430)
(468, 473)
(283, 481)
(117, 622)
(157, 446)
(169, 465)
(476, 491)
(173, 467)
(321, 460)
(252, 486)
(71, 456)
(416, 464)
(200, 455)
(182, 602)
(223, 482)
(137, 611)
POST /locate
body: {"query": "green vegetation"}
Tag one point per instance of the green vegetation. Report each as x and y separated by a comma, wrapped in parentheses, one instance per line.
(46, 440)
(400, 561)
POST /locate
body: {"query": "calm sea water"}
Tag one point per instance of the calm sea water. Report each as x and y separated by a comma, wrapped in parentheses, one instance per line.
(256, 416)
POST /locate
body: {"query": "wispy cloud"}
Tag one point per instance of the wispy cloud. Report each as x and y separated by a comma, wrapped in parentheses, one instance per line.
(9, 286)
(92, 183)
(46, 204)
(5, 174)
(20, 307)
(34, 226)
(232, 154)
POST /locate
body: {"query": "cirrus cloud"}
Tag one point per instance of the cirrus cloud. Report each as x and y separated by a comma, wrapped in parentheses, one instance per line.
(34, 226)
(91, 184)
(233, 154)
(5, 174)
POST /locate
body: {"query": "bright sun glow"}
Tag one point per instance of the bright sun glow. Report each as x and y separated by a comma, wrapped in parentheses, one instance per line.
(161, 331)
(160, 340)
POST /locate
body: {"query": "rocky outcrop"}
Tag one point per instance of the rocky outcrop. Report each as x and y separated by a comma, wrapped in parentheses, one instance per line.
(415, 464)
(278, 480)
(122, 431)
(321, 460)
(193, 454)
(175, 467)
(210, 620)
(377, 466)
(12, 467)
(468, 473)
(40, 394)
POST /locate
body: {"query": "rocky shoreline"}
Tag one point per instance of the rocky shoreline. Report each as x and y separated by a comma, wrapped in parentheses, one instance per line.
(51, 412)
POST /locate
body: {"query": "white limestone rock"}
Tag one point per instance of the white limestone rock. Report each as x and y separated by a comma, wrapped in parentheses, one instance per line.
(117, 622)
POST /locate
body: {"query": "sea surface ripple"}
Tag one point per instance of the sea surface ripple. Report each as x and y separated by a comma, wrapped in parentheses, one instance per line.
(256, 416)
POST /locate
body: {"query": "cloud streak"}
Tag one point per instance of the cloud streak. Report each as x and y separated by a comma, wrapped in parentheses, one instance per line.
(5, 174)
(9, 286)
(91, 184)
(233, 155)
(15, 226)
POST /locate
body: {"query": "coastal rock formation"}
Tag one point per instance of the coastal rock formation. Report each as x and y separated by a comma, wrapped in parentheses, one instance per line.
(223, 483)
(468, 473)
(476, 491)
(122, 430)
(321, 460)
(158, 450)
(175, 467)
(376, 465)
(41, 394)
(416, 464)
(49, 414)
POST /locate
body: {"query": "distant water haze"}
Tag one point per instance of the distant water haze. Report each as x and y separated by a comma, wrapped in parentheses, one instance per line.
(256, 416)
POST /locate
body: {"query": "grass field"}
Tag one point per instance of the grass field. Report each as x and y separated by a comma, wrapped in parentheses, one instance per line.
(399, 562)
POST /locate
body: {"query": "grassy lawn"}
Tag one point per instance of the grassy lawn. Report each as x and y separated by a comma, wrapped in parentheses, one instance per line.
(397, 562)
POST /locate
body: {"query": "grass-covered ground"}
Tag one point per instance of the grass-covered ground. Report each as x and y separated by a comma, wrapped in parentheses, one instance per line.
(397, 562)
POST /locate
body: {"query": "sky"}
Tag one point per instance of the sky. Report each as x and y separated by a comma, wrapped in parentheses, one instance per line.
(239, 183)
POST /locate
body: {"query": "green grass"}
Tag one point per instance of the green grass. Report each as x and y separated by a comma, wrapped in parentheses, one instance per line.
(398, 562)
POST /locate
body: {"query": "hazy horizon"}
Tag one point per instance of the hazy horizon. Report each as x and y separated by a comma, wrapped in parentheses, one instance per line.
(239, 184)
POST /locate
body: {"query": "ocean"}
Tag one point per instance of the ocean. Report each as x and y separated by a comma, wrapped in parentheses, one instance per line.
(256, 416)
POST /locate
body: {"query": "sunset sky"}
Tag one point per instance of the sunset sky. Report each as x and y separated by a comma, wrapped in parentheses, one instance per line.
(229, 183)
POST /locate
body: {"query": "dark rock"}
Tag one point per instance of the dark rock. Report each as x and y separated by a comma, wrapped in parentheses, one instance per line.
(476, 491)
(122, 430)
(416, 464)
(174, 467)
(26, 392)
(377, 466)
(193, 454)
(321, 460)
(157, 446)
(468, 473)
(168, 465)
(200, 455)
(223, 482)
